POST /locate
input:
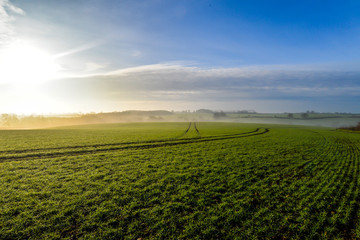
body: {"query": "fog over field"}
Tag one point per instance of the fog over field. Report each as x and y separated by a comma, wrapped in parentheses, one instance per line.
(309, 118)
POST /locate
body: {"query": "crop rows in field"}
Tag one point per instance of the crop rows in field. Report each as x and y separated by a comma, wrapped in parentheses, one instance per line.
(95, 148)
(318, 199)
(258, 182)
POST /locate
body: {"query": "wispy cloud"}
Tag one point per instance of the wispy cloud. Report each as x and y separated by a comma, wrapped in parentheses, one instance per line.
(7, 11)
(150, 69)
(12, 7)
(81, 48)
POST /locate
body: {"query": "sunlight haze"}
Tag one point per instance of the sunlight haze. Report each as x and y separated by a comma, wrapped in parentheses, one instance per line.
(103, 56)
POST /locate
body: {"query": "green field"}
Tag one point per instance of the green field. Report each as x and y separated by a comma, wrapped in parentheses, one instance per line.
(157, 181)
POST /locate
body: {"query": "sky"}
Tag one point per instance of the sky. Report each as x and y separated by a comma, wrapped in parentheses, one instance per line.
(113, 55)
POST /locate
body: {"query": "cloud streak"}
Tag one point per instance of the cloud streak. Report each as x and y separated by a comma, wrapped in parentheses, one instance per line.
(81, 48)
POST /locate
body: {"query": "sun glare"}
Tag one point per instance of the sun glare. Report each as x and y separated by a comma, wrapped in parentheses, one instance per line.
(24, 68)
(23, 64)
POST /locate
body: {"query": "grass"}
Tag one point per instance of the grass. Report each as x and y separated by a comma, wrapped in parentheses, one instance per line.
(150, 180)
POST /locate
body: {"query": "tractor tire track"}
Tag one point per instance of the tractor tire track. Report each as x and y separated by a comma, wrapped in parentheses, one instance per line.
(121, 143)
(129, 147)
(184, 133)
(197, 130)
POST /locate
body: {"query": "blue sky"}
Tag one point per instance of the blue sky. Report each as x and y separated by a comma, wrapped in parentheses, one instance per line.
(268, 56)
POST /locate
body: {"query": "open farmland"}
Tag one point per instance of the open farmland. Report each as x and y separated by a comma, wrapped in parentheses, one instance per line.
(180, 181)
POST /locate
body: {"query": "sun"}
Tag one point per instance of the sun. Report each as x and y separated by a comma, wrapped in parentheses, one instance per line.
(24, 68)
(24, 64)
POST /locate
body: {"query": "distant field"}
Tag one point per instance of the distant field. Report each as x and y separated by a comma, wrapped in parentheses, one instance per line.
(180, 181)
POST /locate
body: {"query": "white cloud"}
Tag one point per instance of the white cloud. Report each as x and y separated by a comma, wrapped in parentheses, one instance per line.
(12, 7)
(7, 11)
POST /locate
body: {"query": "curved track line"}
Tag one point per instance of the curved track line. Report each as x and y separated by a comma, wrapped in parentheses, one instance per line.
(121, 143)
(197, 130)
(135, 147)
(183, 134)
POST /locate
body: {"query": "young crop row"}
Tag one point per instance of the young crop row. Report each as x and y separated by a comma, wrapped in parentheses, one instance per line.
(317, 199)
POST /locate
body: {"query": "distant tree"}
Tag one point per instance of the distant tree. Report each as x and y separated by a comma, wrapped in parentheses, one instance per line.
(290, 115)
(204, 111)
(305, 115)
(220, 114)
(247, 111)
(9, 120)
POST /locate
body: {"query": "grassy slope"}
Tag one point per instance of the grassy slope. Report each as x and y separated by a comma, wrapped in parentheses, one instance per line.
(291, 182)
